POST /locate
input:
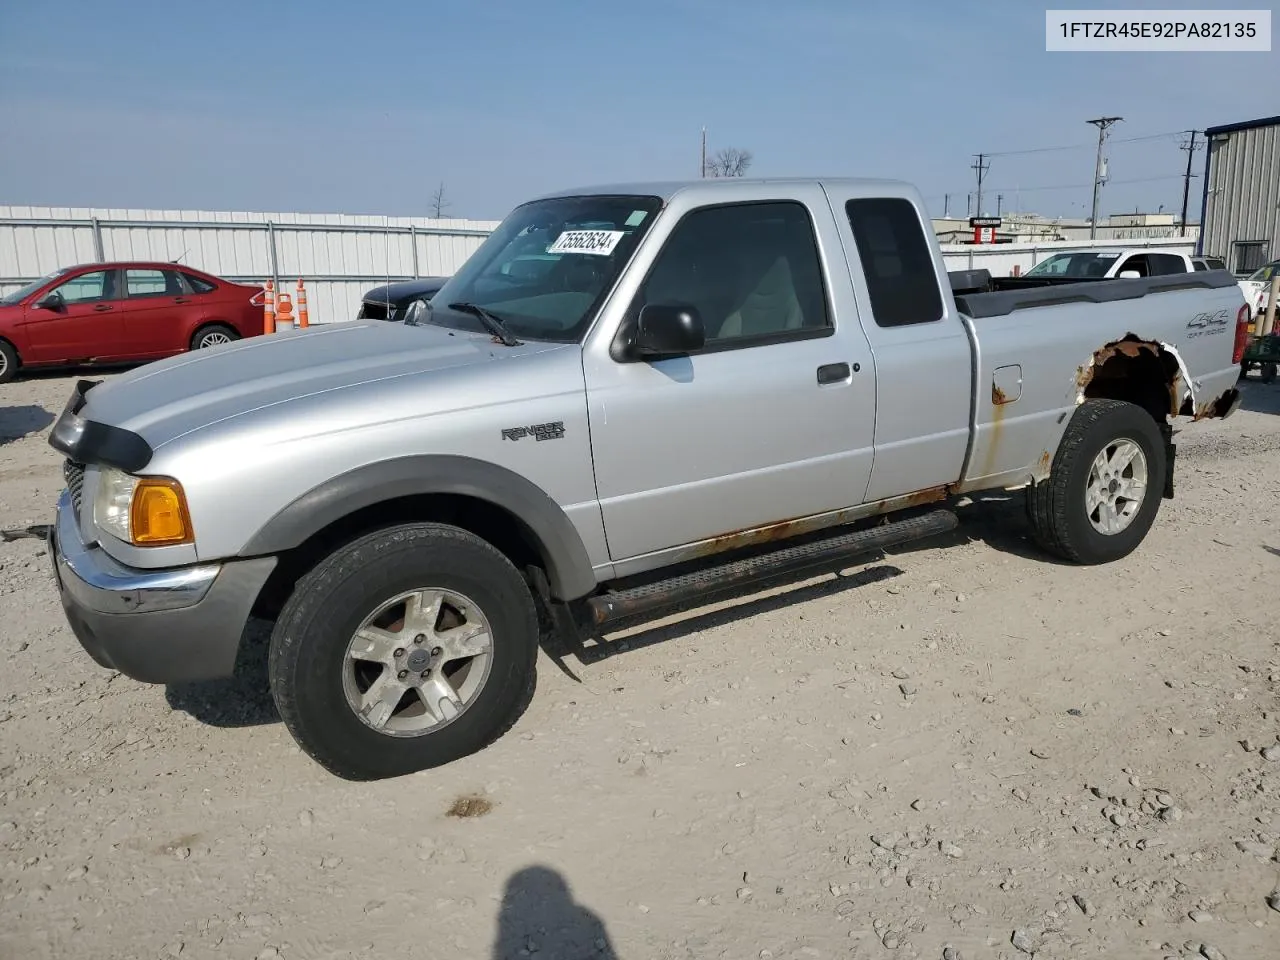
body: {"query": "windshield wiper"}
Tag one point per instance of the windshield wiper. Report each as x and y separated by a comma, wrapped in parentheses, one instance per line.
(490, 321)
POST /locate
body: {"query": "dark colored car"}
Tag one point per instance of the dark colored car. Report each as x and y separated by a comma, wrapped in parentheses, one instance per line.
(389, 301)
(103, 313)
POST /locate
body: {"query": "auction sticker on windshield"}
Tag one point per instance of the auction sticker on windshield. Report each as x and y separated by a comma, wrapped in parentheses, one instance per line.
(600, 243)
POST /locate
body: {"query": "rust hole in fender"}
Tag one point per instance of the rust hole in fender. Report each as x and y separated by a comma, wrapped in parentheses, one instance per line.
(997, 395)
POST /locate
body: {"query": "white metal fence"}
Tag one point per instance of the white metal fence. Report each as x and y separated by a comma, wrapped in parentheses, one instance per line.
(339, 256)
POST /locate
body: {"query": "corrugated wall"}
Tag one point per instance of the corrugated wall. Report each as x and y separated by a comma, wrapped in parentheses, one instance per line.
(1243, 201)
(339, 256)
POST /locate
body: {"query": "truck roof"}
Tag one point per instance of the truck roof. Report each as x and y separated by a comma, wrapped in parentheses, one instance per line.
(666, 189)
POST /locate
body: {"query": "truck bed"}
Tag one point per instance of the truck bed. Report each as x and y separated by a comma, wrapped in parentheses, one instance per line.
(979, 295)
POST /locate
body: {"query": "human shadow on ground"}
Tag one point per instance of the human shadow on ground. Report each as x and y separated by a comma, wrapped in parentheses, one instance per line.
(22, 420)
(540, 917)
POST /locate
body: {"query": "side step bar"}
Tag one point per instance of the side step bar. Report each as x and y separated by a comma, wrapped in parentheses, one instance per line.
(617, 604)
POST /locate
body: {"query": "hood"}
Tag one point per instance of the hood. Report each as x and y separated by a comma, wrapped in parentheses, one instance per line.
(405, 290)
(169, 398)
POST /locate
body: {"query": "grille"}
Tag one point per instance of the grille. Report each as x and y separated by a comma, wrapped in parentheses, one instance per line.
(74, 474)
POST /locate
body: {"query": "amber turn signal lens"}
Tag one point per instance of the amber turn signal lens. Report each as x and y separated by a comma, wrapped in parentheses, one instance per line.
(159, 516)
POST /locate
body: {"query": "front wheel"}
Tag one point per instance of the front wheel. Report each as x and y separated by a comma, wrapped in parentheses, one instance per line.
(1105, 486)
(406, 649)
(1268, 372)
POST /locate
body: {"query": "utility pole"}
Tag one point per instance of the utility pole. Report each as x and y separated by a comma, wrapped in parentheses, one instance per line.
(968, 204)
(702, 171)
(981, 167)
(999, 203)
(1101, 123)
(946, 206)
(1186, 179)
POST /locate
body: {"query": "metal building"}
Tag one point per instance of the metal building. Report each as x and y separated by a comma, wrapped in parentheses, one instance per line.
(1241, 206)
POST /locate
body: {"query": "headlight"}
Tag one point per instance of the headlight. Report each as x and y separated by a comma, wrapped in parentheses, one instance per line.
(143, 511)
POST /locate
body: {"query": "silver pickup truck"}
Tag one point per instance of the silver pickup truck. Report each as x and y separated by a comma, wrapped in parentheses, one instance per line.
(629, 397)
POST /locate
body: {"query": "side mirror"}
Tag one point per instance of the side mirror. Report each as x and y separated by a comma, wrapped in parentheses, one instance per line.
(665, 330)
(416, 313)
(50, 301)
(1129, 275)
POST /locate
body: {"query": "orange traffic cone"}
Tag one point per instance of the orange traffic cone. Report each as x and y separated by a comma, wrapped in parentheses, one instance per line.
(302, 305)
(284, 310)
(269, 308)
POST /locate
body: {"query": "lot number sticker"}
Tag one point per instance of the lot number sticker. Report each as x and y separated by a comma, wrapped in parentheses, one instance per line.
(599, 243)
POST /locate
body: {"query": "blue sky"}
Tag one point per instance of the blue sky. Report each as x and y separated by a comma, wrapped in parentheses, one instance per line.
(366, 108)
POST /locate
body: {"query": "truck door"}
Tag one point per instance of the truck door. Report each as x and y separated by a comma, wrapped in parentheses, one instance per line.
(922, 352)
(773, 418)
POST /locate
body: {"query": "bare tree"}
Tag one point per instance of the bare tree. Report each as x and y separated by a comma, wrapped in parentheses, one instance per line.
(438, 203)
(729, 162)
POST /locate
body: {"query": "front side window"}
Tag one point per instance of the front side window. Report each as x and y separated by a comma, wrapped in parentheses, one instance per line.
(751, 270)
(86, 288)
(548, 266)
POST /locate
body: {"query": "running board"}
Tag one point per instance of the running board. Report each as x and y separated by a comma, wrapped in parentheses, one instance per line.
(631, 601)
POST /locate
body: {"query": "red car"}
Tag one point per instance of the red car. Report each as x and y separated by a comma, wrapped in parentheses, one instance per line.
(122, 312)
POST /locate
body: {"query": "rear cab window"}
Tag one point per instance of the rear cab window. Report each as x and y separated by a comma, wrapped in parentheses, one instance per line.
(897, 261)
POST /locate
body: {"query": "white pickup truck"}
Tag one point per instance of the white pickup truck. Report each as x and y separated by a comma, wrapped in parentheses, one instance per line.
(1110, 264)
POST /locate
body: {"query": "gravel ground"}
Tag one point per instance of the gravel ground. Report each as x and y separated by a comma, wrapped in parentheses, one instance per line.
(957, 750)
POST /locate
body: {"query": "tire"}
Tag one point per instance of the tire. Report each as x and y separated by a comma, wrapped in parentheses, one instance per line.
(9, 362)
(214, 335)
(1268, 372)
(1058, 507)
(316, 678)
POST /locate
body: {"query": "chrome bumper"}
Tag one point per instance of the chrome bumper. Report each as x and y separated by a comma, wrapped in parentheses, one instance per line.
(101, 584)
(158, 626)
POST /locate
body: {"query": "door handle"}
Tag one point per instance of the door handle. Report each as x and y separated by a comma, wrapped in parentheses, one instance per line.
(833, 373)
(181, 300)
(103, 308)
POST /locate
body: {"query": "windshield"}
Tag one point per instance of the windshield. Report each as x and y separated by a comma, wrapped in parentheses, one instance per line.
(17, 296)
(1074, 265)
(1266, 273)
(546, 268)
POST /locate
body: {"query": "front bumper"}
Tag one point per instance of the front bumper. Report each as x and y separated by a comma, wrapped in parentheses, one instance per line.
(158, 626)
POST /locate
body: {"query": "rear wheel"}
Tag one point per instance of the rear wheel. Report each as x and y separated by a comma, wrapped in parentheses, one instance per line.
(8, 361)
(214, 335)
(407, 649)
(1105, 486)
(1268, 372)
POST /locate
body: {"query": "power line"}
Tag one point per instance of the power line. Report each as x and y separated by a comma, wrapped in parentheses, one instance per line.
(1084, 146)
(1081, 186)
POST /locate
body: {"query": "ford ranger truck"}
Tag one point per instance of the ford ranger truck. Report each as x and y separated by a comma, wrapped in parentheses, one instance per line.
(685, 388)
